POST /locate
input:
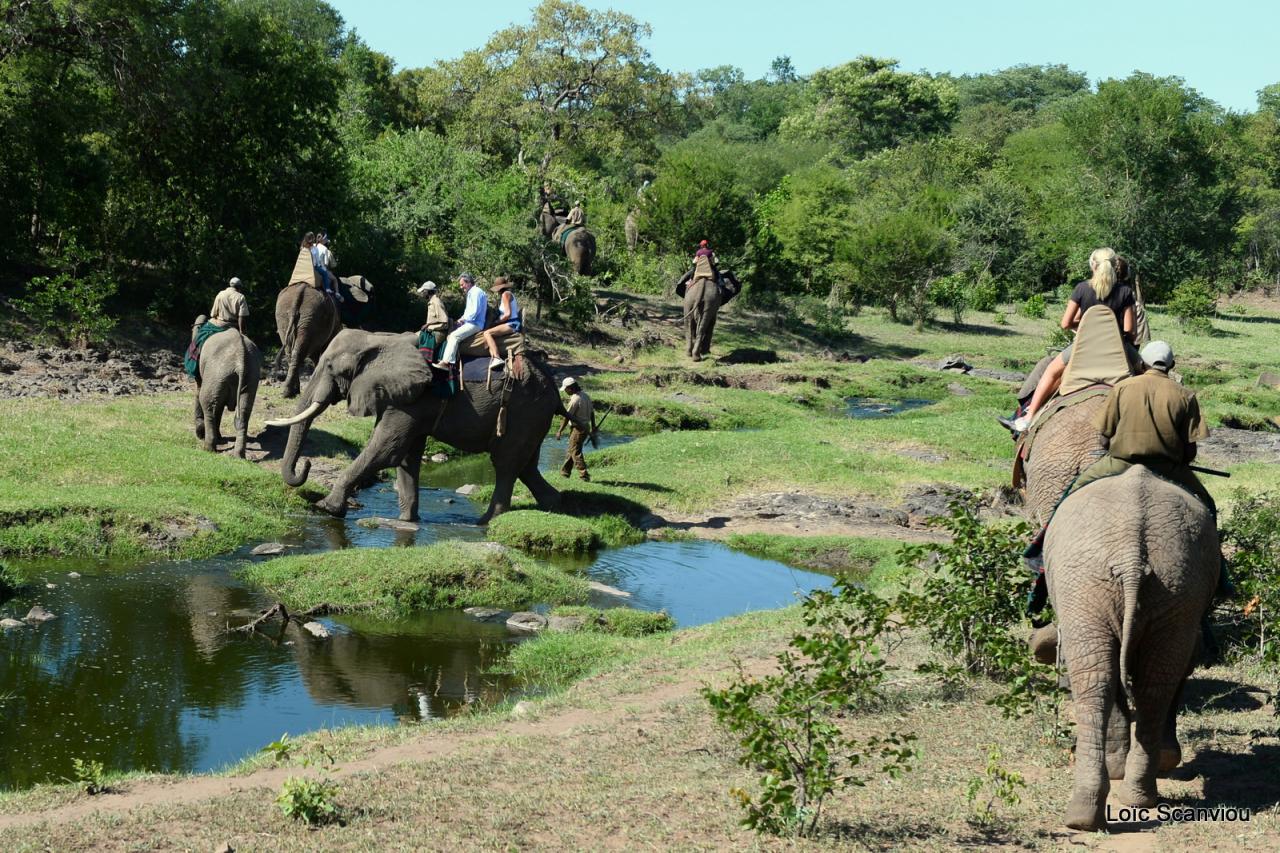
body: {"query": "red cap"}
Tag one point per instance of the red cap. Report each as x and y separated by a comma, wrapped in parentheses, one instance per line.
(703, 244)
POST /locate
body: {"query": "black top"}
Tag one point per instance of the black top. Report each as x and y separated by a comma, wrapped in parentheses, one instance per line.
(1120, 298)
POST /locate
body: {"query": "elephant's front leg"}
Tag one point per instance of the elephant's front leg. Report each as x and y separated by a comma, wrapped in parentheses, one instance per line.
(407, 478)
(386, 448)
(504, 484)
(1093, 665)
(199, 417)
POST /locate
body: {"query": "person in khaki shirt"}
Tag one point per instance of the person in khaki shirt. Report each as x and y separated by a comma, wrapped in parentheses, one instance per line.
(437, 315)
(580, 417)
(230, 308)
(1151, 420)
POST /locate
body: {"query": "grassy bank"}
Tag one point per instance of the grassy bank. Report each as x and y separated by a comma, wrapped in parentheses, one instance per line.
(125, 478)
(867, 559)
(445, 575)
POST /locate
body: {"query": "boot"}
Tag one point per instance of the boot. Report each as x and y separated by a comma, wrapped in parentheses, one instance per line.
(1044, 644)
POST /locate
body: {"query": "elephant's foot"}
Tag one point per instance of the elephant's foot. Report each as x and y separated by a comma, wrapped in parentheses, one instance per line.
(1170, 757)
(1138, 793)
(335, 506)
(1086, 812)
(410, 516)
(1044, 644)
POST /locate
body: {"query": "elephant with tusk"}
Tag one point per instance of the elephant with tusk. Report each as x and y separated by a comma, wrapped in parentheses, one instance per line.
(384, 376)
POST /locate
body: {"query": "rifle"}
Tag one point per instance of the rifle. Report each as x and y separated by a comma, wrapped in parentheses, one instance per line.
(1210, 471)
(595, 428)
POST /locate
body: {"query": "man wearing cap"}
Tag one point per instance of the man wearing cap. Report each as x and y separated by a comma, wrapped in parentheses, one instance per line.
(577, 216)
(471, 322)
(1151, 420)
(437, 315)
(230, 307)
(580, 414)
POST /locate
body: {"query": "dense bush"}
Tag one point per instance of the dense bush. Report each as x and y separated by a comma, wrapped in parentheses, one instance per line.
(1194, 303)
(1034, 307)
(1251, 532)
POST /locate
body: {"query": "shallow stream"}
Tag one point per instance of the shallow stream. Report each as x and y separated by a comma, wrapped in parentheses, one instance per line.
(137, 670)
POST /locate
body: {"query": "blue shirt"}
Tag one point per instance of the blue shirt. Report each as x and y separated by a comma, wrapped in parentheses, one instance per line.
(477, 307)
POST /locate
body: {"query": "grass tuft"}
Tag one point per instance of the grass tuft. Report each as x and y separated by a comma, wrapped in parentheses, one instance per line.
(619, 621)
(534, 530)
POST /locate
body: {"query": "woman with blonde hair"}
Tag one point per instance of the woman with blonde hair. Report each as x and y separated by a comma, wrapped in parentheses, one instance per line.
(1103, 287)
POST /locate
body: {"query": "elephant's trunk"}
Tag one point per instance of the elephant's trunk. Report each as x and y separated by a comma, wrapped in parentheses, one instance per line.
(298, 425)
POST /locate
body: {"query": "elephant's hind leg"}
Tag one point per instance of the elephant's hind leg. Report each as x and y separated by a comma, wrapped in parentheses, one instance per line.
(1158, 671)
(547, 497)
(407, 478)
(1093, 665)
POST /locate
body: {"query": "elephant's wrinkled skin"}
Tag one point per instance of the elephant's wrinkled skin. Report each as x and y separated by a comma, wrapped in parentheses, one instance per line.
(1066, 445)
(579, 246)
(1133, 563)
(385, 376)
(230, 368)
(306, 321)
(701, 304)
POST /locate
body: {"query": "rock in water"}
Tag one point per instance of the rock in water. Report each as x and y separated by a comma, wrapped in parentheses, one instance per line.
(566, 624)
(268, 549)
(468, 490)
(315, 629)
(487, 614)
(10, 624)
(375, 522)
(527, 620)
(596, 586)
(39, 614)
(73, 575)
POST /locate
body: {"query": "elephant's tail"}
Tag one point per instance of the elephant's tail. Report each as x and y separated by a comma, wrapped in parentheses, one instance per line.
(1131, 580)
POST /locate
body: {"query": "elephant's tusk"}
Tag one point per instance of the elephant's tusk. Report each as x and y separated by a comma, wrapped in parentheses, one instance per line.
(305, 414)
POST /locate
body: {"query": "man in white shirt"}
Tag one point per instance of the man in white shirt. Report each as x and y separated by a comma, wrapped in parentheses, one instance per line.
(471, 322)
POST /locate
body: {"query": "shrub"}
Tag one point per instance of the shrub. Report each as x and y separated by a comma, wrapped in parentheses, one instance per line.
(308, 800)
(951, 292)
(71, 305)
(1194, 302)
(535, 530)
(998, 784)
(1034, 307)
(984, 294)
(786, 722)
(1252, 529)
(89, 776)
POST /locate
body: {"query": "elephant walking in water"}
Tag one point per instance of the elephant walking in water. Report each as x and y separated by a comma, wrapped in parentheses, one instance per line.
(307, 320)
(384, 376)
(1132, 561)
(229, 370)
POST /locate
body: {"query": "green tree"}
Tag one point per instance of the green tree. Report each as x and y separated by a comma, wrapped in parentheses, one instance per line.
(867, 105)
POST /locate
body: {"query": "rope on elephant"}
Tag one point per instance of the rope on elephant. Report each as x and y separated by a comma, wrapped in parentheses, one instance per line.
(191, 363)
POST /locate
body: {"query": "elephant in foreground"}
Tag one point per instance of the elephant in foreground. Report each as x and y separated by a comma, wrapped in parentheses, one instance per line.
(307, 320)
(384, 376)
(579, 244)
(229, 370)
(1133, 564)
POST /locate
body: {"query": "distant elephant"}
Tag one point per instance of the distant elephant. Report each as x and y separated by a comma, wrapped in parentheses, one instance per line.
(579, 244)
(229, 369)
(1133, 562)
(632, 230)
(701, 304)
(307, 320)
(385, 376)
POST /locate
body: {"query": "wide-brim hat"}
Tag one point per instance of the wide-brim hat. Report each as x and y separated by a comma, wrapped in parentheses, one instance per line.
(501, 283)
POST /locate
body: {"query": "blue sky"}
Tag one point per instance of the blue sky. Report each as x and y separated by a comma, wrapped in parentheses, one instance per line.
(1226, 49)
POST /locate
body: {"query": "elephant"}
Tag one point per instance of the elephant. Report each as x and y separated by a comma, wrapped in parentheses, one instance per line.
(701, 304)
(1133, 564)
(385, 376)
(227, 378)
(579, 245)
(1065, 445)
(307, 320)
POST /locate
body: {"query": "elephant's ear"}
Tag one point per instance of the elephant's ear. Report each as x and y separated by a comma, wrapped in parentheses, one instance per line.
(392, 372)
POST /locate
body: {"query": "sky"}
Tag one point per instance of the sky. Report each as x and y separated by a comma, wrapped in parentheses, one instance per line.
(1226, 49)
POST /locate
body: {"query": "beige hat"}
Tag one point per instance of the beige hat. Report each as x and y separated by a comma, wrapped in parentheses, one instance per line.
(236, 282)
(568, 383)
(427, 287)
(1158, 354)
(501, 283)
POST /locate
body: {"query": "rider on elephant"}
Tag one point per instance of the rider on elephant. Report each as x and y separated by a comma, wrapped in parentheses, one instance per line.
(579, 417)
(324, 264)
(509, 320)
(553, 202)
(230, 308)
(1104, 287)
(437, 315)
(470, 323)
(704, 263)
(577, 216)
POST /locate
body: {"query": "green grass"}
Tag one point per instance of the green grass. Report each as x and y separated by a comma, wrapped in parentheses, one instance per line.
(853, 556)
(620, 621)
(445, 575)
(534, 530)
